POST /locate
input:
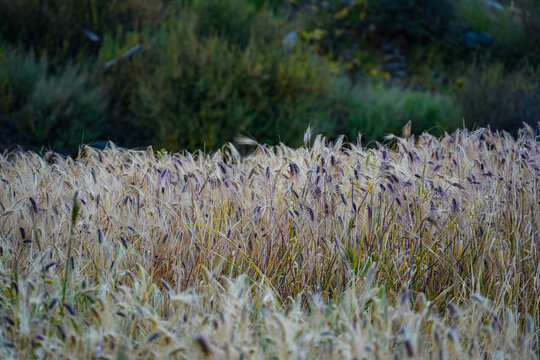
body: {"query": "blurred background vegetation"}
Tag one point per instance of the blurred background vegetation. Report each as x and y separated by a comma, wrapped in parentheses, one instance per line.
(190, 74)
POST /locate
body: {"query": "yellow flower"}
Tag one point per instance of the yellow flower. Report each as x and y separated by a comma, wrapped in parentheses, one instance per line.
(373, 72)
(342, 13)
(317, 34)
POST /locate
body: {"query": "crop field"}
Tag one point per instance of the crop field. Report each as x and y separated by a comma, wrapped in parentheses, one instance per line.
(425, 248)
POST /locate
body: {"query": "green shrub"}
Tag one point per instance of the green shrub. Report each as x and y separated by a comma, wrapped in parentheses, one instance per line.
(198, 86)
(204, 90)
(336, 27)
(40, 108)
(503, 100)
(238, 21)
(233, 20)
(126, 127)
(376, 110)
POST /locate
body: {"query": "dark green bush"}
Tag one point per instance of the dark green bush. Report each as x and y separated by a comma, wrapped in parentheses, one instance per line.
(57, 27)
(238, 21)
(346, 22)
(529, 15)
(233, 20)
(359, 33)
(502, 100)
(417, 20)
(39, 108)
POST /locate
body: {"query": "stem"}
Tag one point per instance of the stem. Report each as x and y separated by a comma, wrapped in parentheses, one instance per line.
(74, 213)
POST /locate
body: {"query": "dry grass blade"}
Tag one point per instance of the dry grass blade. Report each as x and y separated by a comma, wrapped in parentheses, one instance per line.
(429, 248)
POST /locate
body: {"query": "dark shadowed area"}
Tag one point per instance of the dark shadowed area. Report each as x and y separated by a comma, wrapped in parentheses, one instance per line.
(190, 74)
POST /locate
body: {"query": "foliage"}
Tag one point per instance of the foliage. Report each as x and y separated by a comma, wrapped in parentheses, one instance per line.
(376, 110)
(60, 28)
(528, 47)
(502, 100)
(417, 20)
(515, 29)
(343, 29)
(196, 73)
(238, 21)
(202, 89)
(41, 108)
(337, 28)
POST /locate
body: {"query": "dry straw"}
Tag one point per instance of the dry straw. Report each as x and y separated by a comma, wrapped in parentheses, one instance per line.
(425, 249)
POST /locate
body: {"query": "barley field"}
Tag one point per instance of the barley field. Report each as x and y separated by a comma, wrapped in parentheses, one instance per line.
(425, 248)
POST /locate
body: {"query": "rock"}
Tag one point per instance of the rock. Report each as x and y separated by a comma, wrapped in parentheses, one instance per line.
(492, 4)
(290, 40)
(474, 39)
(92, 36)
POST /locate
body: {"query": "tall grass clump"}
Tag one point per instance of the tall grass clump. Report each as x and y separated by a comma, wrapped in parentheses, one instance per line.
(426, 248)
(377, 109)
